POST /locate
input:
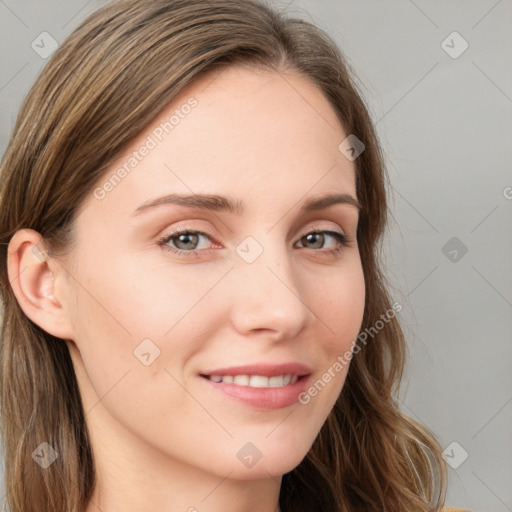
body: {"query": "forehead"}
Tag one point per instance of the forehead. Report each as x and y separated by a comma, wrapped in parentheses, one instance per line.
(238, 131)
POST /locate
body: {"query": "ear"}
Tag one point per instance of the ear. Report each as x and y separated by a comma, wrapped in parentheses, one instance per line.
(33, 276)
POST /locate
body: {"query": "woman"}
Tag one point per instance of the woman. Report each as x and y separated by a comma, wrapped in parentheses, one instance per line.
(170, 340)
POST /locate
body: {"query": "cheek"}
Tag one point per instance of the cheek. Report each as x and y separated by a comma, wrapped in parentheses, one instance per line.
(340, 311)
(129, 313)
(141, 300)
(340, 308)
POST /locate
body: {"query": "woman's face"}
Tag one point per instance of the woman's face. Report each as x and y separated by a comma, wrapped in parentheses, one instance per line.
(163, 296)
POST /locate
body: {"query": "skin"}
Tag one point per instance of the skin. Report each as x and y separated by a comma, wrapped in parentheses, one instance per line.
(161, 438)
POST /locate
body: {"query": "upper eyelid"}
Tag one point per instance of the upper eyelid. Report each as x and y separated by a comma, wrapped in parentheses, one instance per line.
(209, 232)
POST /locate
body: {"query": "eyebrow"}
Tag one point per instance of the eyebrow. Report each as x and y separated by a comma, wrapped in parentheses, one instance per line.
(221, 203)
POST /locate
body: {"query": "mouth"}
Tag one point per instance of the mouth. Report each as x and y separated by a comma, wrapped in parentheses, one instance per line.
(261, 387)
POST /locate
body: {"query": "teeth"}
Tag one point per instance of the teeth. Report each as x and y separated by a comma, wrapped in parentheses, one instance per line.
(241, 380)
(256, 381)
(276, 382)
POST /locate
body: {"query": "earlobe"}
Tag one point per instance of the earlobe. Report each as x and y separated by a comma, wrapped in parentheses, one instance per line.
(32, 279)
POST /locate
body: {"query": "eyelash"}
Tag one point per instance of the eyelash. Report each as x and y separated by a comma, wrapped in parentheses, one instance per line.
(342, 239)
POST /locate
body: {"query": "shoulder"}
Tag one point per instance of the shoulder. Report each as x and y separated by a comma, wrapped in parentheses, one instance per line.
(455, 510)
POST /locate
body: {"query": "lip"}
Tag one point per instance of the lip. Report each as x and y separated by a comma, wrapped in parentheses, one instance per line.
(261, 398)
(265, 370)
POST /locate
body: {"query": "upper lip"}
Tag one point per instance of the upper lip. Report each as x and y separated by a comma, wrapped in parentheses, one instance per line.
(265, 370)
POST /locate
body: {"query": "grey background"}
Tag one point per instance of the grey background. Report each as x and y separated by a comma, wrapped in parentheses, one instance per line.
(445, 124)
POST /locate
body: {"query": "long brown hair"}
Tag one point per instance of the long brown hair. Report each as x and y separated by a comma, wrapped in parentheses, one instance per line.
(105, 83)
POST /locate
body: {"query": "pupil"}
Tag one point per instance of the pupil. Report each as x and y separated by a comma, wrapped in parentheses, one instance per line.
(185, 236)
(318, 235)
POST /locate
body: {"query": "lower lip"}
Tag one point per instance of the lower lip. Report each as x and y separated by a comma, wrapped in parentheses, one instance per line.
(262, 398)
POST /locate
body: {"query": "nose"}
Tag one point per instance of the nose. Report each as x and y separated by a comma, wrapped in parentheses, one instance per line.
(267, 297)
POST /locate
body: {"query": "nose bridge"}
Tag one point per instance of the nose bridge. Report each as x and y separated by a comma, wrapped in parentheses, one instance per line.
(268, 294)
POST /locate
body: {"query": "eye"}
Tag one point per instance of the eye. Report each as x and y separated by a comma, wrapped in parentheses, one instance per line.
(183, 243)
(188, 243)
(317, 238)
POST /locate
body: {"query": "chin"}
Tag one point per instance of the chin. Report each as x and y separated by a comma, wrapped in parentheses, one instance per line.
(269, 469)
(268, 460)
